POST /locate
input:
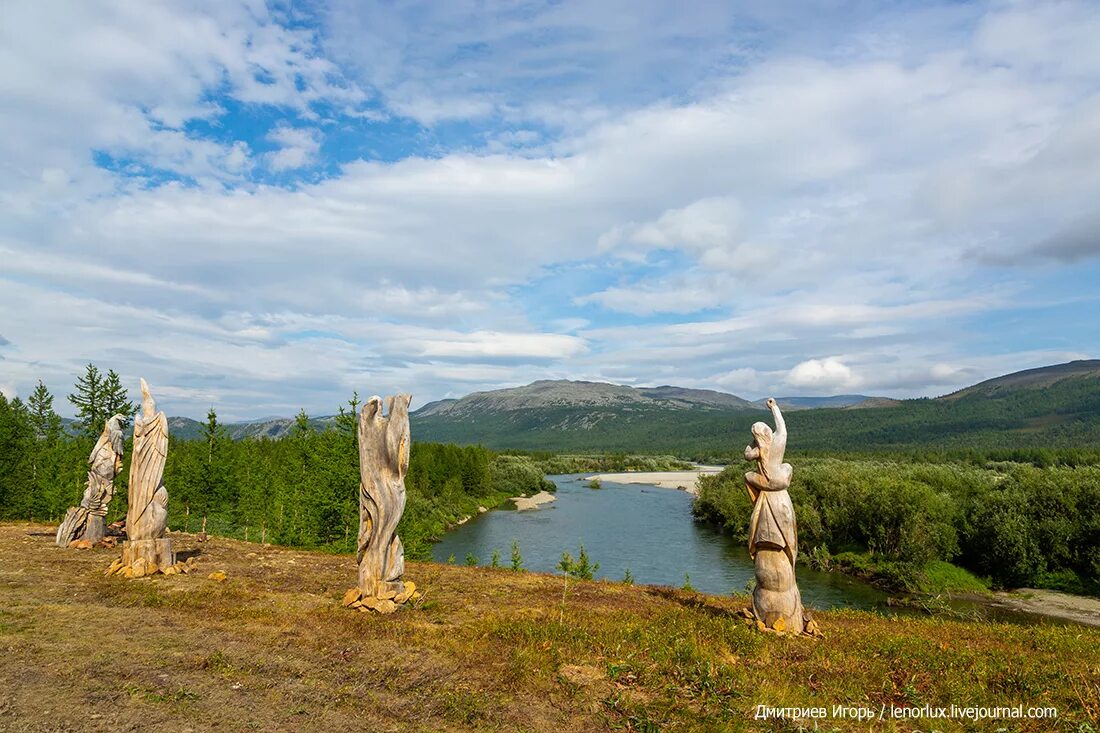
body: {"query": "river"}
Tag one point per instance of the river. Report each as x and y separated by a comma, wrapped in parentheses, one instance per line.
(644, 529)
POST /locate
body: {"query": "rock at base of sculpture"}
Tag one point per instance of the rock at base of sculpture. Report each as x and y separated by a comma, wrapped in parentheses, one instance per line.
(156, 552)
(147, 550)
(86, 522)
(383, 600)
(139, 567)
(383, 462)
(773, 532)
(809, 626)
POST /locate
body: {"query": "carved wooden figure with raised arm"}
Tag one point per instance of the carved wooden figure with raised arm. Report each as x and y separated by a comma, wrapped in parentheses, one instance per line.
(773, 533)
(148, 551)
(383, 462)
(85, 523)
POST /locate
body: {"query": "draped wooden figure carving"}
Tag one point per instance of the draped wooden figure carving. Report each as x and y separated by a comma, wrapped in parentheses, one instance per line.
(383, 462)
(148, 551)
(773, 532)
(86, 522)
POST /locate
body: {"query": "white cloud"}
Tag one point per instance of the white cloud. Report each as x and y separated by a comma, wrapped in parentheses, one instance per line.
(298, 147)
(829, 374)
(811, 197)
(124, 79)
(494, 344)
(562, 63)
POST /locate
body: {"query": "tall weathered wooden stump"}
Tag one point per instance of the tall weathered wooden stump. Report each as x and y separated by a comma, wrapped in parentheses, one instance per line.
(154, 554)
(383, 462)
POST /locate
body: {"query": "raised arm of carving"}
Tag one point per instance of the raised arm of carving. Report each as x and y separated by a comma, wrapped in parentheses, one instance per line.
(780, 424)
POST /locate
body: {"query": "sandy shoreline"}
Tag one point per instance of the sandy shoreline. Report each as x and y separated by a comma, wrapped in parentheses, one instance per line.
(683, 480)
(1082, 609)
(533, 502)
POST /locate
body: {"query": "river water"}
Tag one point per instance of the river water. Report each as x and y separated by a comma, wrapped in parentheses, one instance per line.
(644, 529)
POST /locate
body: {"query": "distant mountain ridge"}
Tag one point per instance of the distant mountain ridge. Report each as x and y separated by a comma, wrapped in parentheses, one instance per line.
(1030, 379)
(184, 428)
(813, 403)
(548, 393)
(1057, 404)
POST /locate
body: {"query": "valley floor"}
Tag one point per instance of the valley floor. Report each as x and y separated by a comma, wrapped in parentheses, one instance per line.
(271, 649)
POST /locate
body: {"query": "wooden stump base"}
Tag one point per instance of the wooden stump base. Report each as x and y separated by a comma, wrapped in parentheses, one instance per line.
(140, 569)
(146, 557)
(386, 598)
(94, 529)
(776, 601)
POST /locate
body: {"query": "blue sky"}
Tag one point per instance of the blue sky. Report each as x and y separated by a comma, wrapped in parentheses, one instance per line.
(265, 206)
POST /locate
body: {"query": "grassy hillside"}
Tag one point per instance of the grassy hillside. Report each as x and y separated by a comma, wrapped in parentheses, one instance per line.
(1054, 412)
(488, 650)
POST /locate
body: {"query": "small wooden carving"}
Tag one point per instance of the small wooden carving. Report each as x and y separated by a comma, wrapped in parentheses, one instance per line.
(147, 550)
(86, 522)
(773, 533)
(383, 462)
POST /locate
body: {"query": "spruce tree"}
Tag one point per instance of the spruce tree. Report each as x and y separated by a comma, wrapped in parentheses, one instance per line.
(115, 399)
(214, 479)
(348, 420)
(50, 491)
(46, 422)
(88, 399)
(302, 426)
(17, 486)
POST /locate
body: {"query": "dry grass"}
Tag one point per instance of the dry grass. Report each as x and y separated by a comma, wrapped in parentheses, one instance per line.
(271, 649)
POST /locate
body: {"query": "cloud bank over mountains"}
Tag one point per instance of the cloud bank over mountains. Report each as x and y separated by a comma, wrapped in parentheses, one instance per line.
(266, 206)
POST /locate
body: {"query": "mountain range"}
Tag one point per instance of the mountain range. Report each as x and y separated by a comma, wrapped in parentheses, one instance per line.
(1053, 406)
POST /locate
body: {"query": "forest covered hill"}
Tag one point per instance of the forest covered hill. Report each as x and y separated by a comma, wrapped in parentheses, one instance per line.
(1053, 407)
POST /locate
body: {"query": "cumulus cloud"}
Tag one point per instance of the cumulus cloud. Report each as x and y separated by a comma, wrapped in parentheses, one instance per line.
(298, 147)
(127, 80)
(671, 202)
(827, 374)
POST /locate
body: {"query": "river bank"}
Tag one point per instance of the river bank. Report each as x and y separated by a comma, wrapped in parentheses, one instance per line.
(524, 503)
(1080, 609)
(682, 480)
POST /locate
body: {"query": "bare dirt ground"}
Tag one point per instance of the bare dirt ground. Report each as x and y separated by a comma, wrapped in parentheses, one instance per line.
(271, 649)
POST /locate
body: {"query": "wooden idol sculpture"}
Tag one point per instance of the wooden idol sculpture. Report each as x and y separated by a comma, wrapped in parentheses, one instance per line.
(147, 550)
(383, 462)
(773, 533)
(85, 523)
